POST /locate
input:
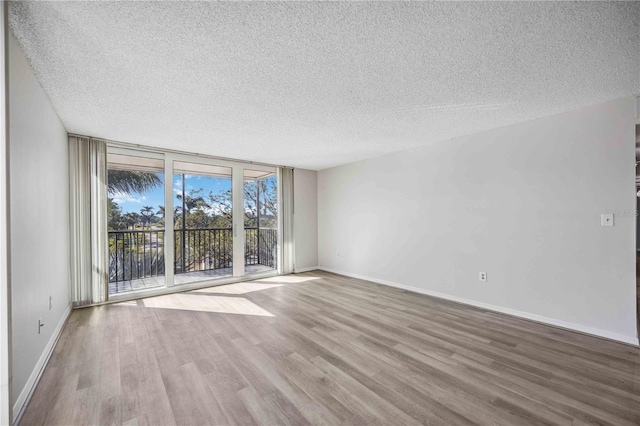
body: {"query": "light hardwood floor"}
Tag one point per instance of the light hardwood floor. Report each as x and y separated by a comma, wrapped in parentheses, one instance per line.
(319, 348)
(638, 292)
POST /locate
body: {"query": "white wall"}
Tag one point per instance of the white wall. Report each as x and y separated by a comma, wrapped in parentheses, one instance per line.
(305, 219)
(522, 203)
(5, 305)
(39, 201)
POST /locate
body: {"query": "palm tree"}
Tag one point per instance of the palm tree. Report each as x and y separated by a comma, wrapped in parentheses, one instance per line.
(162, 214)
(193, 200)
(128, 181)
(147, 213)
(131, 219)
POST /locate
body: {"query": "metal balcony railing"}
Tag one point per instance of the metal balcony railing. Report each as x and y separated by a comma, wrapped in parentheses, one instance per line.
(140, 254)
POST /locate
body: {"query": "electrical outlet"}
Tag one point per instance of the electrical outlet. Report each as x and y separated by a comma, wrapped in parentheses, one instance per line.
(50, 302)
(482, 276)
(606, 219)
(338, 254)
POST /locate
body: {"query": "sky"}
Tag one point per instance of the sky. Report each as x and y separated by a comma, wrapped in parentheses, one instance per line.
(154, 198)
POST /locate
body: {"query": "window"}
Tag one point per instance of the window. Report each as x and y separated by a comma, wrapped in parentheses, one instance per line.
(176, 220)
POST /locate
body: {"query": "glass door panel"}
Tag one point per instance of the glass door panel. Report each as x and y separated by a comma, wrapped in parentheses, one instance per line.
(203, 222)
(260, 221)
(135, 216)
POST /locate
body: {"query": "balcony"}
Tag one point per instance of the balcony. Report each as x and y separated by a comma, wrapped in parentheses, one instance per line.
(136, 257)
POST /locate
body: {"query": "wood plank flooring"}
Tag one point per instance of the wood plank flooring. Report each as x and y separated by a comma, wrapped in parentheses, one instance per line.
(638, 292)
(326, 349)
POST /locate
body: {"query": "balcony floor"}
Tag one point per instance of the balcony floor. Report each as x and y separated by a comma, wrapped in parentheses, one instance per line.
(189, 277)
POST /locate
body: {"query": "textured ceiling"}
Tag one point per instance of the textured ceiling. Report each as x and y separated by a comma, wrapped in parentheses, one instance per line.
(315, 85)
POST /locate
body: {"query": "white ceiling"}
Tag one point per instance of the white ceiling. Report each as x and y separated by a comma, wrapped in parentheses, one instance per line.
(316, 85)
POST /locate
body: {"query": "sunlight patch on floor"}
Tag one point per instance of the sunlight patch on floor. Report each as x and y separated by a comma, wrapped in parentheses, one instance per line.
(239, 288)
(127, 303)
(205, 303)
(287, 279)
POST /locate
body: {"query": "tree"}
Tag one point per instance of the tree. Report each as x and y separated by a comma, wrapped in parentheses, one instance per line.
(131, 219)
(221, 207)
(127, 182)
(130, 181)
(198, 219)
(266, 189)
(221, 204)
(114, 215)
(192, 201)
(161, 213)
(147, 214)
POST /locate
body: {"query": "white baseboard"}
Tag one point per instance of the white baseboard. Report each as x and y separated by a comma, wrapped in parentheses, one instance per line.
(532, 317)
(31, 384)
(310, 268)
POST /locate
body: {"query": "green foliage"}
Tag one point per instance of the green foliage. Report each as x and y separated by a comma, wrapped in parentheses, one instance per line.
(131, 219)
(212, 212)
(147, 215)
(192, 201)
(129, 181)
(114, 215)
(221, 204)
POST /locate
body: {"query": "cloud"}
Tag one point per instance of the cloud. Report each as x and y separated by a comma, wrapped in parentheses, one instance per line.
(121, 198)
(177, 187)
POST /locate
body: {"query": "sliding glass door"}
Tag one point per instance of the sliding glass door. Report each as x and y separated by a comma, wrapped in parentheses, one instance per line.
(203, 222)
(260, 220)
(135, 221)
(180, 220)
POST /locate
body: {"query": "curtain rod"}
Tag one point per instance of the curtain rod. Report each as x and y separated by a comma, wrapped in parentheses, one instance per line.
(173, 151)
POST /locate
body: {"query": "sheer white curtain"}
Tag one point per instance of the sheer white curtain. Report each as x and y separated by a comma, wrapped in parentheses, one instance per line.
(285, 181)
(88, 206)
